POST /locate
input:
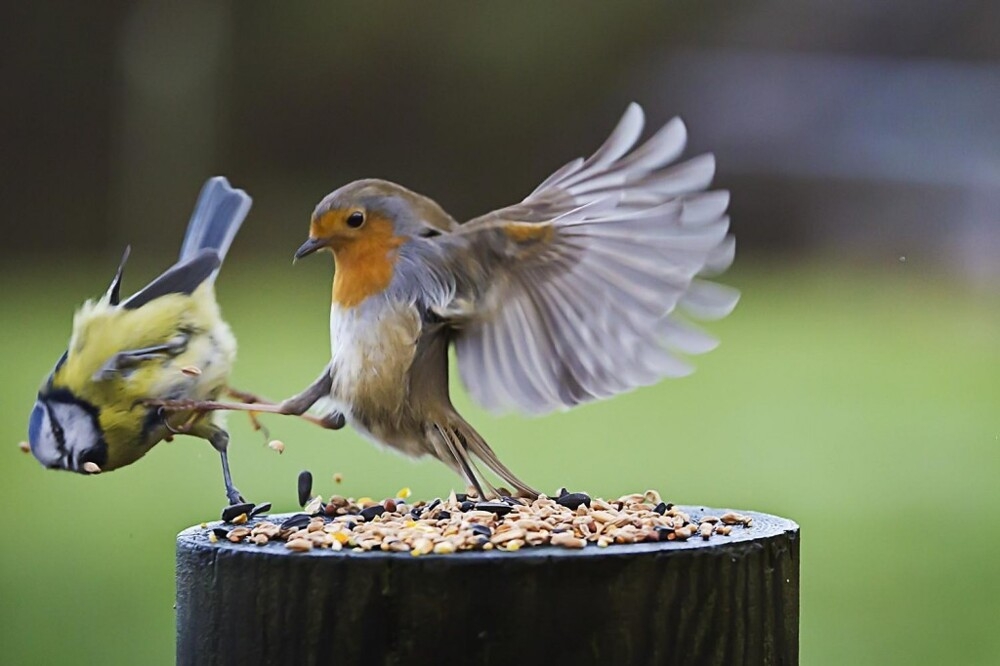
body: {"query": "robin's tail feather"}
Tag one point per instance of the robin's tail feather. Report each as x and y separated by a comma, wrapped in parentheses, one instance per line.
(461, 446)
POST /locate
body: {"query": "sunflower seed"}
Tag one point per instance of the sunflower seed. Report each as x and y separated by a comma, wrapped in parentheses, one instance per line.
(574, 500)
(305, 486)
(371, 512)
(314, 506)
(481, 530)
(259, 509)
(233, 511)
(295, 521)
(498, 508)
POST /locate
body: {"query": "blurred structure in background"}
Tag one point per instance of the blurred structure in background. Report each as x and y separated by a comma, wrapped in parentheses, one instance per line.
(867, 131)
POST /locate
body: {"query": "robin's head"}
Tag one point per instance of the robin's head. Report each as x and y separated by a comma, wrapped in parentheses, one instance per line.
(372, 213)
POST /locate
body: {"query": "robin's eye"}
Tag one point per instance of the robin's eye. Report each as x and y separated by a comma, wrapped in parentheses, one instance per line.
(355, 220)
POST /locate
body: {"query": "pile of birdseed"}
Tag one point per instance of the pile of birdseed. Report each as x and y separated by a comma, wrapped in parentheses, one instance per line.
(462, 522)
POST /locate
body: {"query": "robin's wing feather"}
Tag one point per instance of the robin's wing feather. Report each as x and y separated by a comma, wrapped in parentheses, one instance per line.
(586, 278)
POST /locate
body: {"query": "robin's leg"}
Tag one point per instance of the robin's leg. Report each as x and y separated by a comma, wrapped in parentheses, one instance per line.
(300, 403)
(297, 405)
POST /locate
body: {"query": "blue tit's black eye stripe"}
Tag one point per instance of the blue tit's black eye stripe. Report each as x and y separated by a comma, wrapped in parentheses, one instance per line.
(56, 428)
(65, 396)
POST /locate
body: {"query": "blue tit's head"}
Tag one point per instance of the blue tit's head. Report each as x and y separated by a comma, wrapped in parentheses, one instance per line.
(64, 433)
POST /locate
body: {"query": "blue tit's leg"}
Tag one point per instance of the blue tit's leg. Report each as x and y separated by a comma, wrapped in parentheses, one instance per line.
(132, 357)
(219, 439)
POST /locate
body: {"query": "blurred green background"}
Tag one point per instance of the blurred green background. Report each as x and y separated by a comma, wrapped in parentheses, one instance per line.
(856, 389)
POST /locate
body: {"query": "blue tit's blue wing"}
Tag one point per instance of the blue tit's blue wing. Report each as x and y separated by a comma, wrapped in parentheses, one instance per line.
(217, 217)
(181, 278)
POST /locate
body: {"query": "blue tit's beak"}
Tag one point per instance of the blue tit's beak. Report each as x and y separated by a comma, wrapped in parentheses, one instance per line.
(309, 247)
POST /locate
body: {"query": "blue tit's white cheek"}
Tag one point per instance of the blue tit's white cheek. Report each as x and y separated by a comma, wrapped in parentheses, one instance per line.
(78, 433)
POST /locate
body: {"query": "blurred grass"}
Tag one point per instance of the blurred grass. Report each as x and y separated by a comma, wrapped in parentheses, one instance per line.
(862, 404)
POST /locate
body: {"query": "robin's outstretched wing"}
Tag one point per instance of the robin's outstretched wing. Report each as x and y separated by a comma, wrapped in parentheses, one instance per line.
(574, 294)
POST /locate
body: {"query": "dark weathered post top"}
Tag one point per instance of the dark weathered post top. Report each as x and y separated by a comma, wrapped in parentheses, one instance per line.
(732, 600)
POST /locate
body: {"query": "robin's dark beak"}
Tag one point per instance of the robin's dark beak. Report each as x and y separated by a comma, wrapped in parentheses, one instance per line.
(309, 247)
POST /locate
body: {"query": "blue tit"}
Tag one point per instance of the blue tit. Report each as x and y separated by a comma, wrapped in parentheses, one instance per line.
(166, 342)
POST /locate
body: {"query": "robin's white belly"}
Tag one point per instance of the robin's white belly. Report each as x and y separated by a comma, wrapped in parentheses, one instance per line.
(372, 348)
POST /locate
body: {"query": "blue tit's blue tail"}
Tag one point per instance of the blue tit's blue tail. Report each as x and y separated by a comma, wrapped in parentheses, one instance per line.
(217, 217)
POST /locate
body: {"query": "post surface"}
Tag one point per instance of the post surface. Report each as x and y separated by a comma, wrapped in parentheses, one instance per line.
(729, 600)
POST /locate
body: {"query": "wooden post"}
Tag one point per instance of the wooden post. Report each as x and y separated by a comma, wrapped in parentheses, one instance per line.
(730, 600)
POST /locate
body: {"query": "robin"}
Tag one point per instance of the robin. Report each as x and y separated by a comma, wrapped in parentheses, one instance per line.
(574, 294)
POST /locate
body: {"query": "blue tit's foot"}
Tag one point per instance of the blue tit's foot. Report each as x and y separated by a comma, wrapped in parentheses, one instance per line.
(233, 512)
(235, 497)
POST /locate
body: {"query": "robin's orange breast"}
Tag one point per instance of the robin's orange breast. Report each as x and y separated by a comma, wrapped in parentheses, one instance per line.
(364, 265)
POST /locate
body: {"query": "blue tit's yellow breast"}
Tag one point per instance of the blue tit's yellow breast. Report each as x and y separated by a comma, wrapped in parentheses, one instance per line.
(101, 331)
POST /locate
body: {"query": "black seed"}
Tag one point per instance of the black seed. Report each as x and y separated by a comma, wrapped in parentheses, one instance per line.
(511, 501)
(433, 504)
(461, 497)
(350, 524)
(466, 505)
(660, 508)
(260, 508)
(220, 532)
(295, 521)
(305, 486)
(663, 532)
(481, 530)
(574, 500)
(372, 511)
(499, 508)
(670, 505)
(562, 491)
(443, 515)
(416, 512)
(234, 510)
